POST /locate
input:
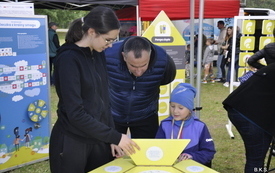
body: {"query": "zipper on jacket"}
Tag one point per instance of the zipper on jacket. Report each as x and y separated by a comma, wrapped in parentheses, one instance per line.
(93, 63)
(130, 103)
(134, 85)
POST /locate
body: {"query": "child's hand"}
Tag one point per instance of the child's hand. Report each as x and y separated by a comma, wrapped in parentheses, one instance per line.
(184, 156)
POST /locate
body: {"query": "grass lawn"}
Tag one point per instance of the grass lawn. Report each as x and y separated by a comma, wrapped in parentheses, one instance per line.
(230, 152)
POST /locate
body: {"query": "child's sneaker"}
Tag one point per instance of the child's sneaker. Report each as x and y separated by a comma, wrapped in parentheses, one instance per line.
(212, 81)
(226, 84)
(204, 81)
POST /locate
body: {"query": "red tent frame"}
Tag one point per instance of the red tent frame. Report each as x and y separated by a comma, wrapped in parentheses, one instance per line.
(180, 9)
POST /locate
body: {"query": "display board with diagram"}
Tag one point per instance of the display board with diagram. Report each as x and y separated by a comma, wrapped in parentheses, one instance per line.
(24, 91)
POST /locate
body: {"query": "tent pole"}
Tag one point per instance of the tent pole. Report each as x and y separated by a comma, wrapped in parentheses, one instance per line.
(199, 59)
(229, 125)
(138, 21)
(192, 49)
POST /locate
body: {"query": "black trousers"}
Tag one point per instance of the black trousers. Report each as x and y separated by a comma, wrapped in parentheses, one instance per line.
(256, 141)
(52, 61)
(71, 156)
(224, 66)
(146, 128)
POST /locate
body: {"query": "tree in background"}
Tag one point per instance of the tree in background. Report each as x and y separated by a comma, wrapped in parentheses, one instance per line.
(270, 4)
(62, 17)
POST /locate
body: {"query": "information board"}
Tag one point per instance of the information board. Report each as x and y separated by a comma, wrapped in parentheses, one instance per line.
(24, 91)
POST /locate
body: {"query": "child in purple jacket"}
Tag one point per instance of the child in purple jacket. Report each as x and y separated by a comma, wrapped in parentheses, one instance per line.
(183, 124)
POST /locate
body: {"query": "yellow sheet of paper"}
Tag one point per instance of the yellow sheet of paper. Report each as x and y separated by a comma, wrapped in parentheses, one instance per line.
(153, 169)
(191, 166)
(118, 165)
(158, 151)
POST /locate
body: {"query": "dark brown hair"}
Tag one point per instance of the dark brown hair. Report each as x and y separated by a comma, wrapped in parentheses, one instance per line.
(101, 19)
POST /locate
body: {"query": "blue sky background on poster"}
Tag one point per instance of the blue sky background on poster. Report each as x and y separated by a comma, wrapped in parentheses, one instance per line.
(26, 34)
(23, 79)
(16, 101)
(210, 29)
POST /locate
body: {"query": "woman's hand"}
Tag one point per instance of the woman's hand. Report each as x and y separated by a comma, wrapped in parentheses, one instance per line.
(128, 145)
(117, 151)
(225, 47)
(252, 68)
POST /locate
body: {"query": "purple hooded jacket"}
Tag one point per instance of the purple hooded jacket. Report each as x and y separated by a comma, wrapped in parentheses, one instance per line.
(201, 146)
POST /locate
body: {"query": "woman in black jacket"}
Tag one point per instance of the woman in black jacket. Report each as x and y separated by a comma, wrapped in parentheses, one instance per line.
(268, 53)
(250, 108)
(84, 136)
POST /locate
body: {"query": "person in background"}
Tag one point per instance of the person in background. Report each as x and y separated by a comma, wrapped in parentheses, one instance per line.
(137, 68)
(53, 46)
(226, 61)
(268, 53)
(183, 124)
(207, 61)
(187, 61)
(196, 47)
(84, 136)
(219, 42)
(250, 108)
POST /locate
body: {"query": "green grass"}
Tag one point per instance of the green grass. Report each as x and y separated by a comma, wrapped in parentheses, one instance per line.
(230, 152)
(61, 37)
(215, 117)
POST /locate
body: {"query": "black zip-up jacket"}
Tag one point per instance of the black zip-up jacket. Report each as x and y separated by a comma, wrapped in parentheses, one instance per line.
(82, 87)
(268, 53)
(255, 98)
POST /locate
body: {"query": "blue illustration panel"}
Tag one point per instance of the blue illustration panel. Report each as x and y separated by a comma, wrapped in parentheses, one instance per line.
(24, 91)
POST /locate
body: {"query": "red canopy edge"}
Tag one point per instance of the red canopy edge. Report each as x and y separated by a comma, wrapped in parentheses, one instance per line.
(127, 13)
(180, 9)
